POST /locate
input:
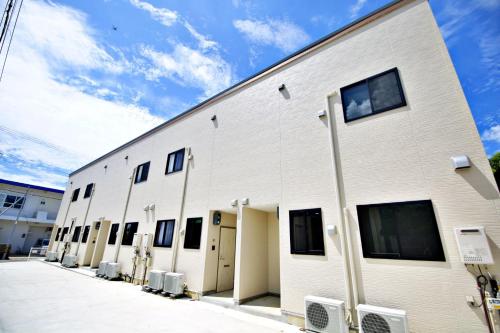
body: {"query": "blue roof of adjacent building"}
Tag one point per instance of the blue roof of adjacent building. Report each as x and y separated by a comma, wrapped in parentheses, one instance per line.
(35, 187)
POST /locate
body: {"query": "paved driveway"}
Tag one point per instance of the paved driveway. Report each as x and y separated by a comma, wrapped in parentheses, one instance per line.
(37, 297)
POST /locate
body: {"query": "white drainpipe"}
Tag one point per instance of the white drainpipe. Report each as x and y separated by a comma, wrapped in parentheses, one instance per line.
(187, 158)
(120, 228)
(65, 218)
(82, 231)
(354, 280)
(350, 282)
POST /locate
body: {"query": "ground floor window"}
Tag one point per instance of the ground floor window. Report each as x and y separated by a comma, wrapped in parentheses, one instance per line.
(58, 233)
(85, 236)
(164, 233)
(76, 234)
(193, 233)
(128, 232)
(112, 233)
(306, 232)
(401, 230)
(64, 232)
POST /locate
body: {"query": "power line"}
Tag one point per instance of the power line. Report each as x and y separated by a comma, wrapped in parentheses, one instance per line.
(11, 35)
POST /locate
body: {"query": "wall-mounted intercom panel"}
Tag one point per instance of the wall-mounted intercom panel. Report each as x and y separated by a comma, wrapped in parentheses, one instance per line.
(473, 245)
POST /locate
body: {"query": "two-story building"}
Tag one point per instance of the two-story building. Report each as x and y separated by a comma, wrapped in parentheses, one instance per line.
(27, 214)
(341, 171)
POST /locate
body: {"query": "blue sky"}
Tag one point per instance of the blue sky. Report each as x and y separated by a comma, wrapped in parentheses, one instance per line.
(84, 77)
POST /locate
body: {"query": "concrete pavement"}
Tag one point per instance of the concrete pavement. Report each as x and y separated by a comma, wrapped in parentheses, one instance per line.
(37, 297)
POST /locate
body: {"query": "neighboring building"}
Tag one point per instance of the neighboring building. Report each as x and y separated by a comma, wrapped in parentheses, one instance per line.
(356, 130)
(27, 214)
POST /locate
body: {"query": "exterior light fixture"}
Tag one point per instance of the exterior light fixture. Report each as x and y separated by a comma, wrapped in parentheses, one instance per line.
(214, 118)
(282, 87)
(321, 113)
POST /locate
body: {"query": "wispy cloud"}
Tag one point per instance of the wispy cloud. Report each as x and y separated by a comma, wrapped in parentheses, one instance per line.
(165, 16)
(356, 8)
(489, 45)
(492, 134)
(282, 34)
(66, 122)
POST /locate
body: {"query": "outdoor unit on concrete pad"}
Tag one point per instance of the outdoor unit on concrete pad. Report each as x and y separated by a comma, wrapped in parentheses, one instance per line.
(375, 319)
(113, 270)
(156, 279)
(174, 284)
(101, 271)
(51, 256)
(324, 315)
(70, 261)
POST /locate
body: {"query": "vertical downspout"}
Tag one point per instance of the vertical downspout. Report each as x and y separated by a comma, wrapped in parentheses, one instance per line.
(187, 158)
(85, 221)
(344, 231)
(119, 238)
(354, 280)
(64, 222)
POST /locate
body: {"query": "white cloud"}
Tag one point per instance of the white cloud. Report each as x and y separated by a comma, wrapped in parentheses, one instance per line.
(282, 34)
(489, 45)
(189, 67)
(203, 41)
(51, 121)
(36, 177)
(165, 16)
(356, 8)
(492, 134)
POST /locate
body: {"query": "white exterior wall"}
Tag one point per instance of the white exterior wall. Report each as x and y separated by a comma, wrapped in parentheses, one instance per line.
(274, 150)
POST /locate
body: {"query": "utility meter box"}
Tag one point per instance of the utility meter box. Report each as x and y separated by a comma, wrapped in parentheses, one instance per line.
(147, 242)
(473, 245)
(137, 240)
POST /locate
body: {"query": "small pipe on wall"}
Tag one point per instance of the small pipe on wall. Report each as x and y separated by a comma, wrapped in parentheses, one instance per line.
(122, 223)
(85, 221)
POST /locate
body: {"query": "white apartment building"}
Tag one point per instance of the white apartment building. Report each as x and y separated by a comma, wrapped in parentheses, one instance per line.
(27, 214)
(329, 173)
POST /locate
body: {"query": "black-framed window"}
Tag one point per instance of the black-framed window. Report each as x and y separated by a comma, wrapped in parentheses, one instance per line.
(88, 190)
(58, 234)
(76, 234)
(400, 230)
(112, 233)
(75, 194)
(379, 93)
(164, 233)
(192, 237)
(13, 201)
(141, 174)
(128, 232)
(85, 235)
(64, 232)
(175, 161)
(306, 232)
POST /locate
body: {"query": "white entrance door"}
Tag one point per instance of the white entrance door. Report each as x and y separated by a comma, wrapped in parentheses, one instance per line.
(227, 248)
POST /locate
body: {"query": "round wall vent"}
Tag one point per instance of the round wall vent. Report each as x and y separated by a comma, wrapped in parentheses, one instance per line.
(374, 323)
(317, 315)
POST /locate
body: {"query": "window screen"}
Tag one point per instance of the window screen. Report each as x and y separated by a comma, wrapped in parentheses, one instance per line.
(128, 232)
(402, 230)
(58, 234)
(141, 174)
(192, 237)
(375, 94)
(306, 232)
(13, 201)
(75, 194)
(112, 233)
(164, 233)
(175, 161)
(88, 190)
(85, 235)
(76, 234)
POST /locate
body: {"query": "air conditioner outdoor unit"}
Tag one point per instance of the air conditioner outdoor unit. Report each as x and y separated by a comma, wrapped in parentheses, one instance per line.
(375, 319)
(156, 279)
(70, 261)
(174, 284)
(113, 270)
(51, 256)
(101, 271)
(324, 315)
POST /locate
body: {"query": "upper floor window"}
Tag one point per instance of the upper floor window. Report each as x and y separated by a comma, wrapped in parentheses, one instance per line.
(13, 201)
(306, 232)
(379, 93)
(401, 230)
(175, 161)
(75, 194)
(192, 237)
(141, 174)
(88, 190)
(128, 232)
(164, 233)
(112, 233)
